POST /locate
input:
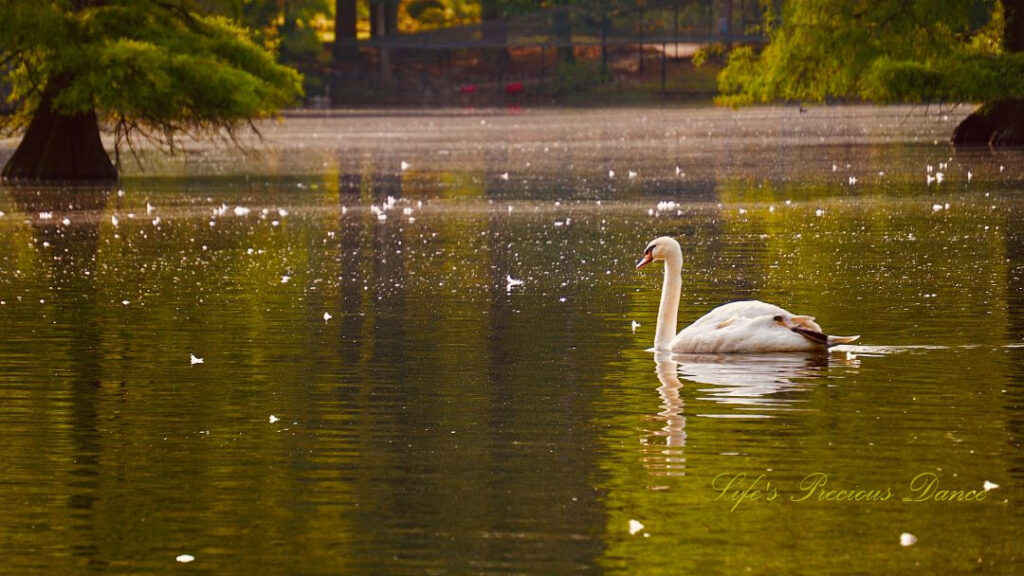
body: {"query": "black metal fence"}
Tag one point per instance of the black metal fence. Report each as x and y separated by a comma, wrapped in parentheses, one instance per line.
(539, 55)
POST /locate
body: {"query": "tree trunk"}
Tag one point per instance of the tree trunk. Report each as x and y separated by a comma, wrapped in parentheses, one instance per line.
(59, 147)
(495, 33)
(998, 124)
(383, 17)
(345, 24)
(563, 36)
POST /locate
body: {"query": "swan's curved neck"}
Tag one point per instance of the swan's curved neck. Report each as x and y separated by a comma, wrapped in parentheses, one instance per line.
(668, 311)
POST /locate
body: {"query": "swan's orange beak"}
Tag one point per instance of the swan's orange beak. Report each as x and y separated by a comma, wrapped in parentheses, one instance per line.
(647, 260)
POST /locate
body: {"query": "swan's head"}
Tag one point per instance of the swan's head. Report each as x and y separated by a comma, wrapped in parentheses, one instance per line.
(662, 248)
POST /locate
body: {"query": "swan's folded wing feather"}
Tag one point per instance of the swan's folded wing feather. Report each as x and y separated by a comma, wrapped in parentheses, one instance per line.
(725, 323)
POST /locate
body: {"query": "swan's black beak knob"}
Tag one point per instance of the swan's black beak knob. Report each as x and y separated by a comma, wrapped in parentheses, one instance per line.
(648, 257)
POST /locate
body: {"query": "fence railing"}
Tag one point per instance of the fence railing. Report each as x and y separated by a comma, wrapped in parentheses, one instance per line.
(536, 56)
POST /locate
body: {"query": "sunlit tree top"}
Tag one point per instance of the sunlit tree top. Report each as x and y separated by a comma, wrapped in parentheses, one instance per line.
(152, 69)
(884, 51)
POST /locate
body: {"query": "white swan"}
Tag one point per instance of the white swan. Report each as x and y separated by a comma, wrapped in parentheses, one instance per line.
(748, 326)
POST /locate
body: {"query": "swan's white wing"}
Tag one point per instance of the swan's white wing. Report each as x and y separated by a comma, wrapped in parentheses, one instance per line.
(745, 326)
(741, 309)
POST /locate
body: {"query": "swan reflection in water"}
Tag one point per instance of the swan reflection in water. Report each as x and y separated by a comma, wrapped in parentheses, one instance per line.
(753, 384)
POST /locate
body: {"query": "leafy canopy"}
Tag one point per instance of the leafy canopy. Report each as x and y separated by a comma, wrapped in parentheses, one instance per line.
(148, 68)
(883, 51)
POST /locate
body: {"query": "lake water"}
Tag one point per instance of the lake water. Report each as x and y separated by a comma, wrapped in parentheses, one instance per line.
(376, 396)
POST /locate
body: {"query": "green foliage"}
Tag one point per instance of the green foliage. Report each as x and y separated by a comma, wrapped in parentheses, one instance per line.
(433, 14)
(579, 75)
(891, 50)
(155, 69)
(294, 29)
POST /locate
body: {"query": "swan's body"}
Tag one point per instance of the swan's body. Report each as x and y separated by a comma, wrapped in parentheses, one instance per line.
(737, 327)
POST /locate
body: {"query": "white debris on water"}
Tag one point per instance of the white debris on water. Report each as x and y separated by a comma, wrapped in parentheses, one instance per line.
(45, 215)
(634, 527)
(241, 211)
(504, 176)
(193, 360)
(185, 558)
(327, 316)
(989, 486)
(611, 173)
(635, 325)
(273, 419)
(285, 279)
(907, 539)
(511, 283)
(404, 165)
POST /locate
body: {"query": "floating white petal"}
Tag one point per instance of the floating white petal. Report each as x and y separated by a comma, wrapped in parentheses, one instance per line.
(511, 282)
(185, 558)
(907, 539)
(635, 527)
(635, 325)
(405, 165)
(990, 485)
(193, 359)
(273, 419)
(327, 316)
